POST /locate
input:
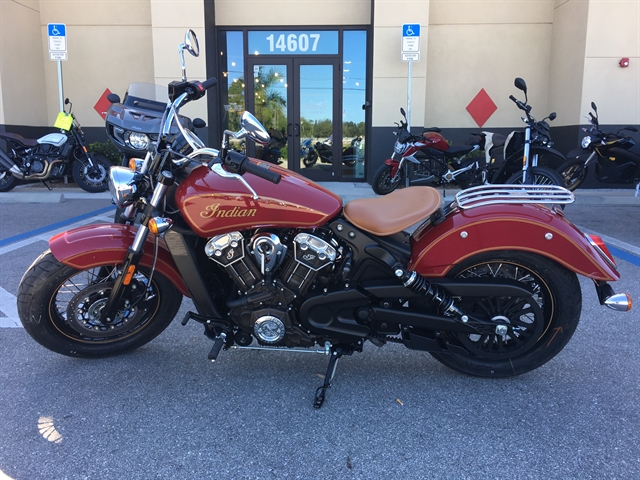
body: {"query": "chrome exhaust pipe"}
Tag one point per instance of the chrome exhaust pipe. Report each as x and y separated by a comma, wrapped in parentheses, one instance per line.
(620, 302)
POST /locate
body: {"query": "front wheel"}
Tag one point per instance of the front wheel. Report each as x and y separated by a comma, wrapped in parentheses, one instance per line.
(538, 326)
(92, 179)
(60, 307)
(383, 183)
(539, 176)
(310, 159)
(573, 173)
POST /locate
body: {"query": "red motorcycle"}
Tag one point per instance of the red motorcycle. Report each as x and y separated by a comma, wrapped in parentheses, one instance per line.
(428, 158)
(486, 284)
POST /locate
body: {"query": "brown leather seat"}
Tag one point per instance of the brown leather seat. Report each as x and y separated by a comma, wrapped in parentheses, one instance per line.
(27, 142)
(394, 212)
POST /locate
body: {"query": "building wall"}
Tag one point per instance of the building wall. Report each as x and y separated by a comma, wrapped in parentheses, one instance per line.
(273, 13)
(23, 95)
(479, 44)
(613, 32)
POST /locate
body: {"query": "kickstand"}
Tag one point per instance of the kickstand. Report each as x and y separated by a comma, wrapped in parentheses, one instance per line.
(331, 371)
(46, 185)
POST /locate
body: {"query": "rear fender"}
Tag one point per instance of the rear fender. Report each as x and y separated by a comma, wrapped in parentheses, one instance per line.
(100, 245)
(530, 228)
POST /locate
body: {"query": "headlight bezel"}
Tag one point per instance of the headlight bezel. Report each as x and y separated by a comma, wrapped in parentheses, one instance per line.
(586, 141)
(122, 186)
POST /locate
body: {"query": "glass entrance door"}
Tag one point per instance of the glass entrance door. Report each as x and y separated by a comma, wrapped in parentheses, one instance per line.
(298, 101)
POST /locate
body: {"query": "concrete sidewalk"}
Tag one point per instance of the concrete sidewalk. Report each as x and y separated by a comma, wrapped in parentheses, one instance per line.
(347, 190)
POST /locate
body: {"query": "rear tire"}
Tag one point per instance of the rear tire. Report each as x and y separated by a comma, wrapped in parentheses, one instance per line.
(7, 180)
(59, 306)
(536, 333)
(92, 179)
(383, 183)
(573, 173)
(541, 176)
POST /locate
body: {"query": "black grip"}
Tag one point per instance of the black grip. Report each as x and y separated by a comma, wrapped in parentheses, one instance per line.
(513, 99)
(210, 82)
(261, 172)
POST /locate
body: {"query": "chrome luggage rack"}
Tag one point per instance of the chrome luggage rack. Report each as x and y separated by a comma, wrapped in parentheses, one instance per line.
(496, 194)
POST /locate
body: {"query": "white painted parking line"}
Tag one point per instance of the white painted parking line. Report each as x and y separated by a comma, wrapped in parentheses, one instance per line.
(10, 309)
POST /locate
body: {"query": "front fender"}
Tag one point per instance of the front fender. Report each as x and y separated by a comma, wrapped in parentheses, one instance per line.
(531, 228)
(581, 153)
(106, 244)
(549, 153)
(393, 164)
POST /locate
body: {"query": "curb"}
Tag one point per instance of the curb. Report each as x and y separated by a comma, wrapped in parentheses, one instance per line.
(347, 190)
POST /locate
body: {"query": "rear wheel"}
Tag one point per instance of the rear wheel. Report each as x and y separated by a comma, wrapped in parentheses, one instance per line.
(383, 183)
(92, 178)
(7, 181)
(310, 159)
(540, 176)
(539, 326)
(573, 173)
(60, 307)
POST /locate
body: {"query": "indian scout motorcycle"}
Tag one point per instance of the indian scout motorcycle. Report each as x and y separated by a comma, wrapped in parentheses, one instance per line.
(272, 261)
(615, 155)
(55, 155)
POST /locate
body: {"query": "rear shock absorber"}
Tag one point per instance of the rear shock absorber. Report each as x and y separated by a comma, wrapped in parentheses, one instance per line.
(437, 296)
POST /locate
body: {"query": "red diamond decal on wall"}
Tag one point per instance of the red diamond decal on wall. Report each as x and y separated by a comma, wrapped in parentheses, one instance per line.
(102, 105)
(481, 107)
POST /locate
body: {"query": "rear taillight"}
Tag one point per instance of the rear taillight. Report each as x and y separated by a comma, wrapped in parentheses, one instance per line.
(602, 249)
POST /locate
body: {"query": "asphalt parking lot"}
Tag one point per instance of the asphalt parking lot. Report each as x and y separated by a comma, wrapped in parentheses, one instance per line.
(164, 411)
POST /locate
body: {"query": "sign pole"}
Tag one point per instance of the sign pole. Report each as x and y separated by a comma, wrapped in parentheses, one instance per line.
(409, 98)
(60, 88)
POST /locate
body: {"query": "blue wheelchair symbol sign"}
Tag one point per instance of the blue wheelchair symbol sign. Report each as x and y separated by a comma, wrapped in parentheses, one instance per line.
(57, 30)
(411, 30)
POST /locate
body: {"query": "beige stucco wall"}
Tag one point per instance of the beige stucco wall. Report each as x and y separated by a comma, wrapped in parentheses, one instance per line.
(109, 46)
(486, 44)
(390, 73)
(22, 88)
(613, 32)
(566, 69)
(171, 19)
(273, 13)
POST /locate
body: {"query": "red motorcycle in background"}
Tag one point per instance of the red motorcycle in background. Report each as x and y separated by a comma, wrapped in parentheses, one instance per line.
(272, 261)
(430, 159)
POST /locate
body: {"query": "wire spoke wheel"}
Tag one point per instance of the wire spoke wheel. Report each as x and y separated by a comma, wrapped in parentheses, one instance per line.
(536, 327)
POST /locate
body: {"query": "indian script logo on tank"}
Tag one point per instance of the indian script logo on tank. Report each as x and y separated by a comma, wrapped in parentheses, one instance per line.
(214, 210)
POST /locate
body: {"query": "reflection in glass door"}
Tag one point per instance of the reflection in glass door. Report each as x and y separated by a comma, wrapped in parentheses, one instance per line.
(296, 100)
(316, 117)
(269, 92)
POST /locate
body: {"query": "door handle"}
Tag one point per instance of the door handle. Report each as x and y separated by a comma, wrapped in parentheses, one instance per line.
(296, 130)
(289, 134)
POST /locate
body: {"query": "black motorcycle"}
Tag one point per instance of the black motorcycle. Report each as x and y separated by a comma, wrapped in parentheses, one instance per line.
(523, 156)
(132, 123)
(56, 155)
(615, 155)
(323, 151)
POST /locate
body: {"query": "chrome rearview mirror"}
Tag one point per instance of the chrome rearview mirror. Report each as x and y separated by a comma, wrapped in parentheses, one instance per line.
(192, 46)
(253, 129)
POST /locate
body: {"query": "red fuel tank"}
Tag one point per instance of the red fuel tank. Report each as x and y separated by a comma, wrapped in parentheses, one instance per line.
(212, 205)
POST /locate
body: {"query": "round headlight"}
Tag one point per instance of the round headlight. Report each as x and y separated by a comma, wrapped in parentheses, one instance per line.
(586, 141)
(121, 185)
(137, 140)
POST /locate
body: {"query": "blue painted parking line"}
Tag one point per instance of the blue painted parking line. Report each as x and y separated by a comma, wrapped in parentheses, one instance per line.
(53, 226)
(626, 256)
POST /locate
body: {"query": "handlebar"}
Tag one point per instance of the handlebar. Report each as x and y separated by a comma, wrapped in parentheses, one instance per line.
(238, 163)
(521, 106)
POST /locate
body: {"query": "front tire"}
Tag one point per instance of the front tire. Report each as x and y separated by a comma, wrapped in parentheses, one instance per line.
(59, 306)
(92, 179)
(541, 176)
(537, 332)
(573, 173)
(382, 183)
